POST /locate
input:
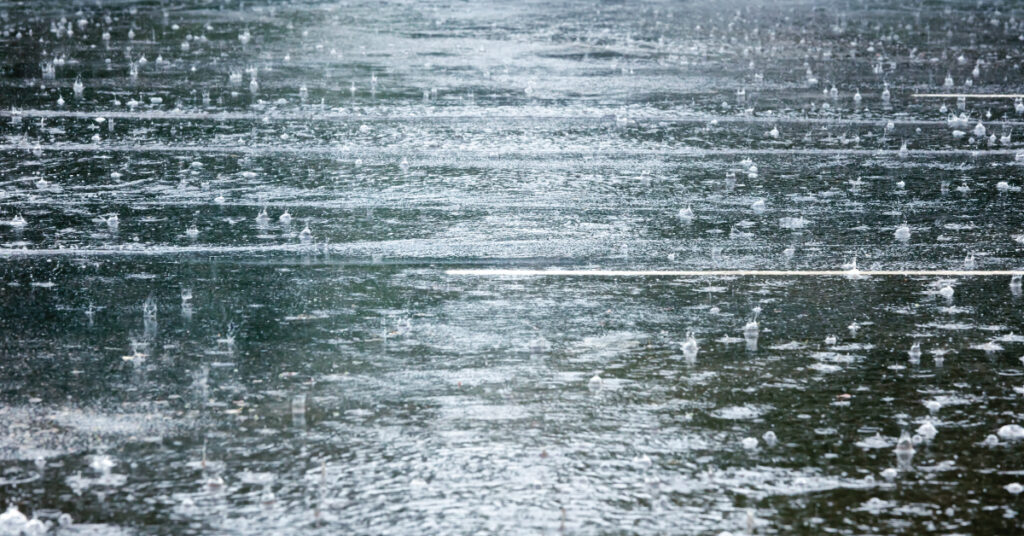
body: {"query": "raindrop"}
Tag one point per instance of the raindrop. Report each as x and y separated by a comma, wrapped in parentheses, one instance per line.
(690, 347)
(149, 308)
(904, 449)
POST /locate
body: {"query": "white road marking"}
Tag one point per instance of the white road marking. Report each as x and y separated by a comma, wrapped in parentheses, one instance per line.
(493, 272)
(968, 95)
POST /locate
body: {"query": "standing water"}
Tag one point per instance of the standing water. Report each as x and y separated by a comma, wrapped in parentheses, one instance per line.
(292, 275)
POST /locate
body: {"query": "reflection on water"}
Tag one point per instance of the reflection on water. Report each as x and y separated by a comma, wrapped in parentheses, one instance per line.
(225, 234)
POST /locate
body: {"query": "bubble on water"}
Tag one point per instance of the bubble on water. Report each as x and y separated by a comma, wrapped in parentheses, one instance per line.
(769, 438)
(903, 233)
(595, 383)
(102, 463)
(749, 443)
(12, 521)
(927, 430)
(1011, 432)
(34, 527)
(214, 483)
(979, 130)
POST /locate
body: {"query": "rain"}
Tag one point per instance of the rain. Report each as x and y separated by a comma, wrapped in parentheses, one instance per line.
(325, 267)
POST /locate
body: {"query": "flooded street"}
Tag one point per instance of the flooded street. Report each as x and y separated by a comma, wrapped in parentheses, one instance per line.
(511, 268)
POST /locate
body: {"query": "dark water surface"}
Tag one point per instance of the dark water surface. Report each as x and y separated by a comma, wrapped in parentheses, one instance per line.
(195, 368)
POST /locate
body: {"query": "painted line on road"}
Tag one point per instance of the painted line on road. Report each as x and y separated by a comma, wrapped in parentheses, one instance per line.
(496, 272)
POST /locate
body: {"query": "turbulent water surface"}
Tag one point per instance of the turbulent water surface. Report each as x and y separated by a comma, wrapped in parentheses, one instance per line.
(228, 230)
